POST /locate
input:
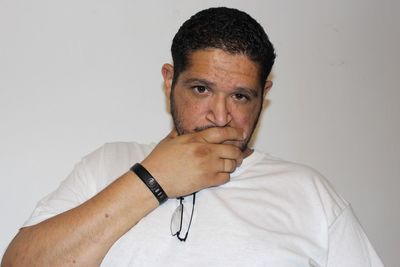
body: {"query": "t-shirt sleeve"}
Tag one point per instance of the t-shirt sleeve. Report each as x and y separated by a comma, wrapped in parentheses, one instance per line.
(77, 188)
(348, 244)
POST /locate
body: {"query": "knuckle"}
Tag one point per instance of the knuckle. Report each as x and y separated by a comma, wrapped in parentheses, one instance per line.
(224, 178)
(237, 152)
(194, 137)
(234, 165)
(200, 136)
(228, 165)
(231, 165)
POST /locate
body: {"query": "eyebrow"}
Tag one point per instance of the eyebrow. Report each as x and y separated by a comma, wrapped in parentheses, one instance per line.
(252, 91)
(198, 80)
(243, 90)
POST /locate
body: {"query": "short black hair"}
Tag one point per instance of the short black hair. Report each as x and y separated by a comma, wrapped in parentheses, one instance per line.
(229, 29)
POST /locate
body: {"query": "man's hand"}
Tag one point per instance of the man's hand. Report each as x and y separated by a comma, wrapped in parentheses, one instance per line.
(191, 162)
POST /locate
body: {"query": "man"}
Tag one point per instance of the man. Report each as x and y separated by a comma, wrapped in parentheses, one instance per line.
(241, 207)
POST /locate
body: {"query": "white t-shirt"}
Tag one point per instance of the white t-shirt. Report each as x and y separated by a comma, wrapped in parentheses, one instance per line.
(271, 213)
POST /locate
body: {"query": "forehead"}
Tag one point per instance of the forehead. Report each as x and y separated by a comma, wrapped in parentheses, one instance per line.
(221, 66)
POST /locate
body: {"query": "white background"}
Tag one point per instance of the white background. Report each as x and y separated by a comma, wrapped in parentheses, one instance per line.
(76, 74)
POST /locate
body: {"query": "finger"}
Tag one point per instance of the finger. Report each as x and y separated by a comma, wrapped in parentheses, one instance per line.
(221, 178)
(227, 165)
(218, 135)
(228, 152)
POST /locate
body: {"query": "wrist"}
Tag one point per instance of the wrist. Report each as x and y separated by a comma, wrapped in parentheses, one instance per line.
(150, 182)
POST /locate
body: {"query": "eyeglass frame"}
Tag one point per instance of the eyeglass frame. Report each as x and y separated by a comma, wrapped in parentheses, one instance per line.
(178, 233)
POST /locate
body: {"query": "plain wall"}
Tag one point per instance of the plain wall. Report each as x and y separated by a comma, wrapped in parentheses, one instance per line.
(76, 74)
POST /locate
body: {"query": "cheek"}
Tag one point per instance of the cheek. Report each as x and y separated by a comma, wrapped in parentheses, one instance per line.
(192, 113)
(245, 119)
(242, 121)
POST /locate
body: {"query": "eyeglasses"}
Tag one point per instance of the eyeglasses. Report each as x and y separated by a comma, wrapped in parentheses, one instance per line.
(177, 219)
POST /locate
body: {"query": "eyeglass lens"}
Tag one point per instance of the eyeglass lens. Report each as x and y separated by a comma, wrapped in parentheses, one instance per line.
(180, 220)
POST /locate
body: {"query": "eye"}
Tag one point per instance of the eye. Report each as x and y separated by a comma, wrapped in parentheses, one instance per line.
(241, 97)
(199, 89)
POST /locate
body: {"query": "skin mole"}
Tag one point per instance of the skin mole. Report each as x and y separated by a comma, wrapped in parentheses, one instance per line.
(202, 151)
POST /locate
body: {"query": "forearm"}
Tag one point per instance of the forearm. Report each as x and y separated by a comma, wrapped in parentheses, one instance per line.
(83, 235)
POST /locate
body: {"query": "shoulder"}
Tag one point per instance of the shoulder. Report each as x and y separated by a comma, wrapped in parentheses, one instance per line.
(119, 151)
(286, 170)
(302, 183)
(122, 148)
(111, 160)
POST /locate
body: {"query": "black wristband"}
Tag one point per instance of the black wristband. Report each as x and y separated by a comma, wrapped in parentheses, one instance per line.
(150, 182)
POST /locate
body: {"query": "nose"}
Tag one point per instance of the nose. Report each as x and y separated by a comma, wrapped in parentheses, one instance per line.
(219, 113)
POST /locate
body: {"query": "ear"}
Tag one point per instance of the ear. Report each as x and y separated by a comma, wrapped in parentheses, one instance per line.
(267, 87)
(167, 72)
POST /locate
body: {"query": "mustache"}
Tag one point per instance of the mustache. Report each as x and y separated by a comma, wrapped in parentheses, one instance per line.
(202, 128)
(243, 145)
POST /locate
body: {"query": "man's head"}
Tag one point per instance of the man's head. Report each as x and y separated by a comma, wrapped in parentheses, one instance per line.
(224, 28)
(222, 58)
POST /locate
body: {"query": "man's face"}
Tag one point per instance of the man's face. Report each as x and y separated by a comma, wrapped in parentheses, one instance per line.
(217, 89)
